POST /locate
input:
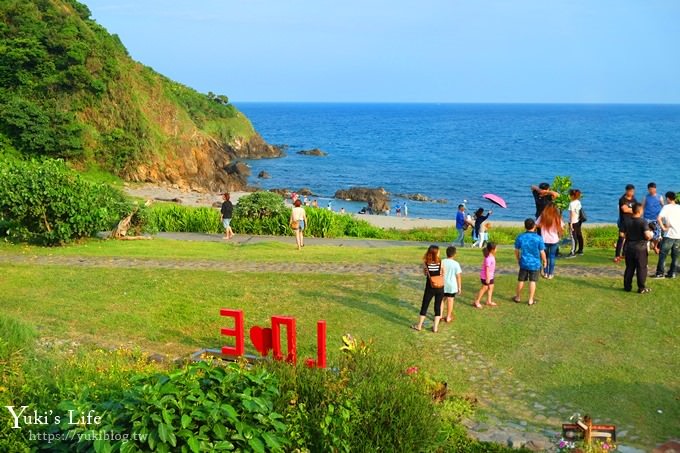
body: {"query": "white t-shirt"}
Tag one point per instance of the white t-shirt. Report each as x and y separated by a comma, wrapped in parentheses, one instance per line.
(574, 206)
(298, 213)
(670, 214)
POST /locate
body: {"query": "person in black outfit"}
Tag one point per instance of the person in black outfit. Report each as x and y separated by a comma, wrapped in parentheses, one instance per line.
(225, 216)
(542, 196)
(626, 203)
(432, 268)
(479, 219)
(637, 234)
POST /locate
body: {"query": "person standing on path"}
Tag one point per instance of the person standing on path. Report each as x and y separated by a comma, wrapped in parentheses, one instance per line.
(486, 276)
(298, 221)
(453, 282)
(461, 223)
(626, 203)
(543, 195)
(651, 207)
(669, 221)
(550, 222)
(530, 255)
(226, 213)
(434, 288)
(575, 222)
(637, 256)
(480, 218)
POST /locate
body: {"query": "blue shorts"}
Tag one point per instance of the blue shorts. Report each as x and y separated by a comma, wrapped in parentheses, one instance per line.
(226, 223)
(301, 225)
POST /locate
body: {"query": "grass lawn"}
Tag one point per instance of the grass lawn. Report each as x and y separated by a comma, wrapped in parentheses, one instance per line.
(610, 354)
(282, 252)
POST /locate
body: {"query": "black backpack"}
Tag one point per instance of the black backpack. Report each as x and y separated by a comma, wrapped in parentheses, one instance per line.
(582, 216)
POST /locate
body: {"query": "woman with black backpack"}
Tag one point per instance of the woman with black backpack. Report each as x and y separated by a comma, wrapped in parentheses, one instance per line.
(576, 218)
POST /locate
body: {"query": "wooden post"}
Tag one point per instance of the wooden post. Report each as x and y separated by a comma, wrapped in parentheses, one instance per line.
(589, 429)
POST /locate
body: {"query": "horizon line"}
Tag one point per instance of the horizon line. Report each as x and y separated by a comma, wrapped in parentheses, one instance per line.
(670, 104)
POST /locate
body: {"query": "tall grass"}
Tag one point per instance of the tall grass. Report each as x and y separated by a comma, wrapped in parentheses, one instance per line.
(174, 218)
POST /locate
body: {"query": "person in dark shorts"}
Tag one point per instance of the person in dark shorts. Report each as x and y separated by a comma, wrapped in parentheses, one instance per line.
(637, 234)
(453, 283)
(225, 216)
(626, 203)
(432, 267)
(530, 255)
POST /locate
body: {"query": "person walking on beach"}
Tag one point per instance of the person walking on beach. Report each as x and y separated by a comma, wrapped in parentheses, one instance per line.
(479, 218)
(651, 207)
(637, 234)
(669, 220)
(461, 225)
(530, 255)
(626, 203)
(226, 213)
(576, 222)
(550, 222)
(434, 288)
(397, 210)
(405, 210)
(298, 221)
(453, 284)
(487, 275)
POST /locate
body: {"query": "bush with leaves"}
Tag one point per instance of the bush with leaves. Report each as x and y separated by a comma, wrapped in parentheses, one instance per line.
(47, 203)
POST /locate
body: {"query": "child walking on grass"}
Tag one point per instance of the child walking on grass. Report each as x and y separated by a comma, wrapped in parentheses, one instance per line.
(453, 285)
(487, 276)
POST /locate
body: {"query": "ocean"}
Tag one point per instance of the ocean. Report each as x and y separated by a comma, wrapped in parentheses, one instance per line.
(458, 152)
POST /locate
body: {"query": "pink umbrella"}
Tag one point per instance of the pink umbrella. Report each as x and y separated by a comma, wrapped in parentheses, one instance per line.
(495, 199)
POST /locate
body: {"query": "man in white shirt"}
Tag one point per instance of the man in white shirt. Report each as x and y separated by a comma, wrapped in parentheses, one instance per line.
(669, 220)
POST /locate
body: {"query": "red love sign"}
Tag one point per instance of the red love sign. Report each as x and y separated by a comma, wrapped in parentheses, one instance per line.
(262, 339)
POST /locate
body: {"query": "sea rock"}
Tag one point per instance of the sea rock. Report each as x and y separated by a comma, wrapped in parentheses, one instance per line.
(414, 196)
(264, 175)
(306, 191)
(377, 198)
(313, 152)
(280, 191)
(238, 168)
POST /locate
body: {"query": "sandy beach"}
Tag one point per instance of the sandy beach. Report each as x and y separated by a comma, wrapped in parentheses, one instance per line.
(196, 198)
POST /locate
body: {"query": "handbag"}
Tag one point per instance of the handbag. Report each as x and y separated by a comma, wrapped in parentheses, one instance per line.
(294, 224)
(436, 281)
(582, 216)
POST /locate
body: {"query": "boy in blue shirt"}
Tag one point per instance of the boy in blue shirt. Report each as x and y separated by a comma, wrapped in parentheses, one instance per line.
(530, 254)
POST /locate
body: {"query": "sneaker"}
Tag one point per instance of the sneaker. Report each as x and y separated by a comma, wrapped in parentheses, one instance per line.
(670, 275)
(659, 276)
(644, 290)
(580, 253)
(571, 255)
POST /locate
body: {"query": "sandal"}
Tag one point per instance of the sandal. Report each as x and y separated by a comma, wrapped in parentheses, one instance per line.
(492, 304)
(435, 331)
(532, 302)
(449, 319)
(516, 300)
(415, 327)
(477, 305)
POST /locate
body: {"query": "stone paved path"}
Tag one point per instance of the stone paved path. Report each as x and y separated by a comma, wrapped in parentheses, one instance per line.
(516, 415)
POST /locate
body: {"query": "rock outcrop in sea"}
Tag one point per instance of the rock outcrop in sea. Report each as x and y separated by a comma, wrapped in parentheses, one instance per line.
(378, 199)
(313, 152)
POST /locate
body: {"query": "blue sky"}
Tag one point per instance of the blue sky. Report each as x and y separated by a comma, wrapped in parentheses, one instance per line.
(609, 51)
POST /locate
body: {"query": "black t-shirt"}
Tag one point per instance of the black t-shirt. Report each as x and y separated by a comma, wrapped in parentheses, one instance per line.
(635, 230)
(541, 201)
(227, 209)
(623, 201)
(478, 222)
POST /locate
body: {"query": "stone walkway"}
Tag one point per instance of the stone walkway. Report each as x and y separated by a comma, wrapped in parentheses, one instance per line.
(515, 415)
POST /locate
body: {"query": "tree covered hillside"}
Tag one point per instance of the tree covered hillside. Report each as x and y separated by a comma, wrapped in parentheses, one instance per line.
(69, 89)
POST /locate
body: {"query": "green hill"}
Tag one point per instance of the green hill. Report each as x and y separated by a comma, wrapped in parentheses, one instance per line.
(69, 89)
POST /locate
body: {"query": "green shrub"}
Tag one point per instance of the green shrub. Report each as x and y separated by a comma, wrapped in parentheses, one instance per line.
(175, 218)
(47, 203)
(200, 408)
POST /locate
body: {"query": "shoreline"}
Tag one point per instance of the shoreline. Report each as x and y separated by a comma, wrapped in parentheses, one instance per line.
(192, 198)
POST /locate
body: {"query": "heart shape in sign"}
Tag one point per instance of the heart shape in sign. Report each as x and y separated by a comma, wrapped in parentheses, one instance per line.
(261, 337)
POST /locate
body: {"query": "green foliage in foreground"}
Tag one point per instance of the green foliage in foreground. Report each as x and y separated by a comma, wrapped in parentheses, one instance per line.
(47, 203)
(368, 403)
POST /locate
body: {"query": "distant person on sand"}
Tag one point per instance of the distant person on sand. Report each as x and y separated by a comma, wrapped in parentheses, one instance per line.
(305, 201)
(651, 207)
(434, 288)
(550, 222)
(342, 210)
(487, 275)
(479, 218)
(462, 224)
(530, 255)
(226, 213)
(637, 234)
(669, 220)
(453, 285)
(405, 209)
(626, 203)
(330, 206)
(298, 221)
(397, 210)
(575, 222)
(315, 203)
(542, 196)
